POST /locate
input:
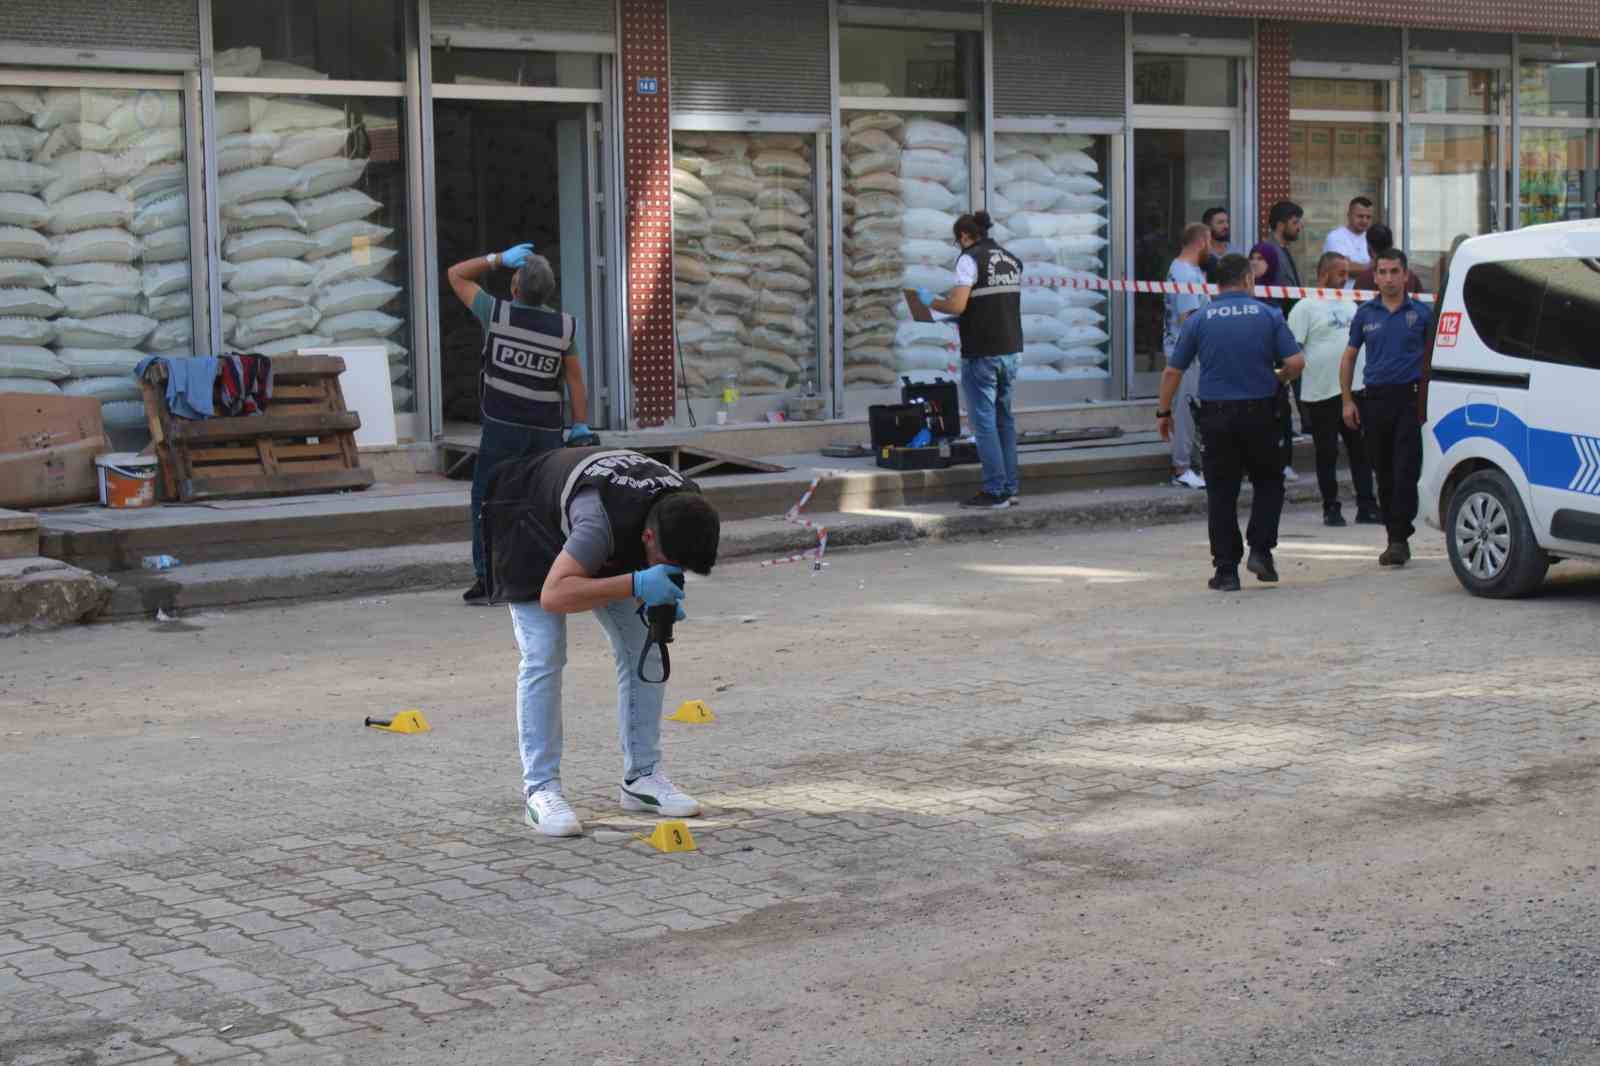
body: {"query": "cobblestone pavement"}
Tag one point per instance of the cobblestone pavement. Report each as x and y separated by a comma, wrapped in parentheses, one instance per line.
(208, 859)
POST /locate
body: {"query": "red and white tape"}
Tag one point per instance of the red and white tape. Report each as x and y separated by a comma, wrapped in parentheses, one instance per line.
(1192, 288)
(793, 516)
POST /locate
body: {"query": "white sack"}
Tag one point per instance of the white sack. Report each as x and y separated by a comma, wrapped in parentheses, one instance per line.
(173, 333)
(31, 361)
(20, 142)
(265, 273)
(939, 279)
(20, 209)
(88, 301)
(274, 325)
(279, 115)
(929, 194)
(100, 362)
(348, 266)
(104, 331)
(17, 176)
(243, 151)
(104, 389)
(273, 298)
(362, 294)
(326, 175)
(257, 183)
(927, 224)
(90, 210)
(24, 273)
(163, 212)
(18, 329)
(359, 324)
(271, 243)
(167, 177)
(29, 303)
(308, 146)
(346, 205)
(172, 305)
(346, 237)
(928, 133)
(290, 345)
(164, 278)
(19, 243)
(96, 246)
(165, 245)
(260, 214)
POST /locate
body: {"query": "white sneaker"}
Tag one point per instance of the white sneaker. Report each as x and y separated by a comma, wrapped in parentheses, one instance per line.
(548, 811)
(1190, 479)
(657, 795)
(1289, 474)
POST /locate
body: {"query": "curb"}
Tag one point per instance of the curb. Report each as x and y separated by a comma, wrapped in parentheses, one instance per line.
(415, 568)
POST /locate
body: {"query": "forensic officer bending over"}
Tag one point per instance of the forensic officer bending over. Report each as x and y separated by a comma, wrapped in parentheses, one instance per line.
(1246, 353)
(601, 530)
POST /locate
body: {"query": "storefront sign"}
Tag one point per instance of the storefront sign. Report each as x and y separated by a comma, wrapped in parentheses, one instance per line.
(1449, 329)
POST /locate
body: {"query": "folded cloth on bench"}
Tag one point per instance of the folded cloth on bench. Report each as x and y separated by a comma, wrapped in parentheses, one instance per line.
(190, 380)
(245, 384)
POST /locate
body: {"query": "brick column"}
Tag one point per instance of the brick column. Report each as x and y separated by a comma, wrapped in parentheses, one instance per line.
(647, 191)
(1273, 52)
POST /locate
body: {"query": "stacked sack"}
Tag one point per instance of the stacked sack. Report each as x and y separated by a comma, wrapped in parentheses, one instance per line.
(1050, 206)
(87, 185)
(301, 258)
(905, 185)
(744, 261)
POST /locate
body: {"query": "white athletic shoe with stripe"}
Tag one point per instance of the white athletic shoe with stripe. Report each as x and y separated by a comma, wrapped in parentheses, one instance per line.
(656, 794)
(548, 811)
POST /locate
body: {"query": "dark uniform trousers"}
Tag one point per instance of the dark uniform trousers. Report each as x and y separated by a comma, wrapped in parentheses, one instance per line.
(1327, 429)
(1241, 438)
(1394, 448)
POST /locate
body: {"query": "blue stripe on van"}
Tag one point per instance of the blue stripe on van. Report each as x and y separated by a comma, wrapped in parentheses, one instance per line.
(1548, 458)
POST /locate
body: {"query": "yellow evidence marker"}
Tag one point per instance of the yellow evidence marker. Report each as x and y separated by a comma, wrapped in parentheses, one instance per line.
(670, 837)
(693, 711)
(404, 722)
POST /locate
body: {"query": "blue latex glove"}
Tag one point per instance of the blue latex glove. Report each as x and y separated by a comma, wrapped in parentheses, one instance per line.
(682, 614)
(579, 430)
(516, 255)
(922, 439)
(655, 585)
(927, 298)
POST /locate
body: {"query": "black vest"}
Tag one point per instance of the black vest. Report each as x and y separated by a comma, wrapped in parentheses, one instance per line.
(992, 322)
(521, 377)
(526, 520)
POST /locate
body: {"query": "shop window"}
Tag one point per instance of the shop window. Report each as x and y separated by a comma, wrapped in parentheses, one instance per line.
(495, 68)
(875, 61)
(1051, 211)
(1447, 90)
(745, 235)
(1186, 81)
(312, 200)
(1559, 180)
(94, 241)
(1560, 90)
(1338, 94)
(907, 178)
(1456, 171)
(1539, 309)
(351, 40)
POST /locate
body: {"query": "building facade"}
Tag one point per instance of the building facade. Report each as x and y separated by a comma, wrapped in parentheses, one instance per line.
(733, 195)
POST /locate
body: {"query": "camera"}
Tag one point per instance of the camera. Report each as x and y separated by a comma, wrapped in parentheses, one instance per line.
(660, 620)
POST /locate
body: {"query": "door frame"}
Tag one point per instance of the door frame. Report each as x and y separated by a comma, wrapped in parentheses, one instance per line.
(1146, 385)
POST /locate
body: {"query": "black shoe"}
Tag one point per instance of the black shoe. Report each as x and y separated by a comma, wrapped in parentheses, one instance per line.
(1226, 580)
(988, 500)
(1397, 554)
(1333, 516)
(1368, 516)
(1260, 564)
(476, 596)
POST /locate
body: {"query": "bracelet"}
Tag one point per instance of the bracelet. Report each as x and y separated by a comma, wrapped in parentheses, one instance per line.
(494, 260)
(1164, 414)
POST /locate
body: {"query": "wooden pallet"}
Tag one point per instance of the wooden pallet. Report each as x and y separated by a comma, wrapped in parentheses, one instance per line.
(305, 442)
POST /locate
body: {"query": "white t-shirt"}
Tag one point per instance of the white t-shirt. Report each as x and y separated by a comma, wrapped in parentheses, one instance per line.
(966, 271)
(1322, 327)
(1352, 246)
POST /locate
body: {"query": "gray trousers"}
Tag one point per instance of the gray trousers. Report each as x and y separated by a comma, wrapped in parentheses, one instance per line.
(1185, 436)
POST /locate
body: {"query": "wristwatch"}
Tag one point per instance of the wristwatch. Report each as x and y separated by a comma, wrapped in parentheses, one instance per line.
(1164, 414)
(494, 260)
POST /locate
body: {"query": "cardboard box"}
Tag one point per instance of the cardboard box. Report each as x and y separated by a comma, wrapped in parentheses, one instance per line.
(47, 449)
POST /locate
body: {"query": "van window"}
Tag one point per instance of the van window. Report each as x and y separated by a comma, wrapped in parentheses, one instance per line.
(1539, 309)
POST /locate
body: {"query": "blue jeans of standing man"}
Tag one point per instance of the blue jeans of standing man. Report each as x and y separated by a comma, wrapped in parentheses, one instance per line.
(499, 442)
(542, 638)
(988, 383)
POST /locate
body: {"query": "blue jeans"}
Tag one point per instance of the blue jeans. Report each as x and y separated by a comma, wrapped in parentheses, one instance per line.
(542, 638)
(987, 383)
(501, 441)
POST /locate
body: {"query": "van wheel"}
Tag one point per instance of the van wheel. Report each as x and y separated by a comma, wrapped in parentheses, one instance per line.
(1492, 545)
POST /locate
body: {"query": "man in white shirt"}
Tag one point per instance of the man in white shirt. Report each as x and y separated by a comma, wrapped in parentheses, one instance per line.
(1322, 326)
(1350, 240)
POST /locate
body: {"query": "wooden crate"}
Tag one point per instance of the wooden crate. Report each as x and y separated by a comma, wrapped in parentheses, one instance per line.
(304, 442)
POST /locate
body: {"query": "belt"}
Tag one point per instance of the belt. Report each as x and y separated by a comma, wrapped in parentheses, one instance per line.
(1408, 386)
(1241, 405)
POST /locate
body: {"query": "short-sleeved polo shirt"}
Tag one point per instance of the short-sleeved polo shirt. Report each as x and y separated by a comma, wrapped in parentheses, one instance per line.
(1239, 341)
(1394, 340)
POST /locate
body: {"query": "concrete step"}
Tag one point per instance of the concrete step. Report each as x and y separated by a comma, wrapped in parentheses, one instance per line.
(435, 511)
(409, 568)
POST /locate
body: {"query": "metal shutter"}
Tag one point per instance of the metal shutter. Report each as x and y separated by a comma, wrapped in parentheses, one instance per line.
(525, 16)
(156, 25)
(1479, 44)
(970, 7)
(758, 55)
(1058, 62)
(1192, 26)
(1346, 44)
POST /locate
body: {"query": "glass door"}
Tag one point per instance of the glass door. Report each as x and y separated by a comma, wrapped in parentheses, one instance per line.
(1177, 175)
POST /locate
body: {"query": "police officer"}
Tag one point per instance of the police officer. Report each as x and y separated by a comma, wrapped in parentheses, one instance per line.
(1394, 329)
(1246, 353)
(591, 529)
(528, 354)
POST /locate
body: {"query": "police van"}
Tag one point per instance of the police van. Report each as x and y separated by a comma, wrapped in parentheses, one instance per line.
(1511, 449)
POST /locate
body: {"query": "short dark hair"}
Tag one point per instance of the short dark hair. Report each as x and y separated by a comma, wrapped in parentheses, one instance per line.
(1328, 259)
(687, 530)
(1393, 254)
(1211, 213)
(534, 281)
(1282, 212)
(1360, 201)
(1232, 271)
(1379, 237)
(976, 226)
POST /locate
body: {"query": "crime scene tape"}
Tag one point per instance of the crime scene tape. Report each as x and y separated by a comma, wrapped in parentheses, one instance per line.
(792, 516)
(1190, 288)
